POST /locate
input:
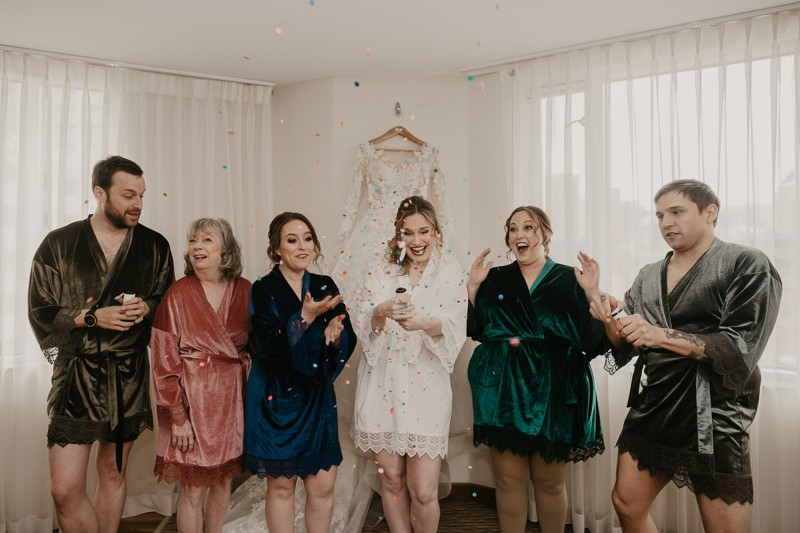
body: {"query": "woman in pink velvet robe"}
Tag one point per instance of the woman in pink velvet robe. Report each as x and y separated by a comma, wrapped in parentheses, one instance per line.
(201, 346)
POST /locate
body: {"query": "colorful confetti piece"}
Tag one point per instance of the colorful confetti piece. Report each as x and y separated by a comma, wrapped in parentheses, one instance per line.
(369, 51)
(514, 342)
(278, 31)
(247, 57)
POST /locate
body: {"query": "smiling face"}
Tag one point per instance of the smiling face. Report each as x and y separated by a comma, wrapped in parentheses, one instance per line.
(418, 235)
(682, 224)
(526, 239)
(205, 251)
(122, 203)
(296, 249)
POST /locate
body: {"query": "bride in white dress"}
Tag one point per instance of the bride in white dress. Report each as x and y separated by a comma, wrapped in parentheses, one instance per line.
(380, 184)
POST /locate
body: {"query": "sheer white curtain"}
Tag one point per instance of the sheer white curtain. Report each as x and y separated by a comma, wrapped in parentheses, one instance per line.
(592, 134)
(205, 147)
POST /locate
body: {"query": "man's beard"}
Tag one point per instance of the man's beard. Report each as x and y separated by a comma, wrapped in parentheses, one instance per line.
(117, 218)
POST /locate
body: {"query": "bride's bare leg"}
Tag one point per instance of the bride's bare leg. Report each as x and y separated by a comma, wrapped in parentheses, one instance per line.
(394, 491)
(279, 506)
(423, 486)
(319, 500)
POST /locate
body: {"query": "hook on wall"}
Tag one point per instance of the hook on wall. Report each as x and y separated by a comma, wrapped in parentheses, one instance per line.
(398, 112)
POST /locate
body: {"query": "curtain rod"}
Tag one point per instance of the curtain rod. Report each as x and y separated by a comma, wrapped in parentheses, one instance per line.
(134, 66)
(494, 66)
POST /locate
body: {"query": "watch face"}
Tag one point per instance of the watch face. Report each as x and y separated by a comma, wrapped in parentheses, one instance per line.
(90, 320)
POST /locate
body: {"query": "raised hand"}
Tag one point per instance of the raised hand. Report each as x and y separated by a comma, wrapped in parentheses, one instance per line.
(601, 306)
(477, 274)
(589, 279)
(312, 309)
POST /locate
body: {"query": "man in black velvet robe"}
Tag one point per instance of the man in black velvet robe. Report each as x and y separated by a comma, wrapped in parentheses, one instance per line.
(94, 288)
(699, 322)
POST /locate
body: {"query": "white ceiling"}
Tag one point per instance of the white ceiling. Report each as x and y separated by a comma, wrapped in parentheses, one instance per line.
(408, 38)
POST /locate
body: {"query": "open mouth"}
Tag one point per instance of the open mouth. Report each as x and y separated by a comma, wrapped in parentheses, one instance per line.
(522, 247)
(418, 251)
(200, 256)
(301, 256)
(672, 234)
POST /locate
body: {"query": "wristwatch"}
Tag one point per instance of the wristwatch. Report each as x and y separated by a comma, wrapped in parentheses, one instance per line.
(89, 318)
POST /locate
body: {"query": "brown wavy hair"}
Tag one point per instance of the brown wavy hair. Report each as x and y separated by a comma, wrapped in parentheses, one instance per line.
(230, 265)
(540, 221)
(274, 235)
(411, 206)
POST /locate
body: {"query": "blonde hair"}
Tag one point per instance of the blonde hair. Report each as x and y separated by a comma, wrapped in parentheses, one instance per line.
(411, 206)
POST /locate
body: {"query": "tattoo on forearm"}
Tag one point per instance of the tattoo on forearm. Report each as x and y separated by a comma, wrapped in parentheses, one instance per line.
(691, 339)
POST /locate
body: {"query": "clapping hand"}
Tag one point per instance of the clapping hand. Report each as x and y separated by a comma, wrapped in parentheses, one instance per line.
(333, 332)
(312, 309)
(477, 274)
(588, 275)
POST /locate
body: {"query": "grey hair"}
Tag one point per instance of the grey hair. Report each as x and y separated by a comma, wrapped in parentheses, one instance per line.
(231, 263)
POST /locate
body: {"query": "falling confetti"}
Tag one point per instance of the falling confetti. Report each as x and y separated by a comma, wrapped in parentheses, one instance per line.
(87, 201)
(224, 167)
(470, 78)
(514, 342)
(479, 43)
(341, 122)
(357, 84)
(464, 178)
(290, 192)
(281, 119)
(347, 382)
(499, 217)
(247, 57)
(500, 297)
(316, 135)
(202, 364)
(380, 470)
(231, 131)
(480, 86)
(89, 299)
(474, 494)
(312, 3)
(269, 397)
(383, 160)
(278, 31)
(369, 51)
(436, 194)
(412, 117)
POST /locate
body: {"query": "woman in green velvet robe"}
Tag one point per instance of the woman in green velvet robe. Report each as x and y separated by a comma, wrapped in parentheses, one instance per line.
(532, 386)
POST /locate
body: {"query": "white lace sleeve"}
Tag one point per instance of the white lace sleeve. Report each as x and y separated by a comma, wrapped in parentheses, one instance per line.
(441, 203)
(371, 295)
(354, 195)
(451, 308)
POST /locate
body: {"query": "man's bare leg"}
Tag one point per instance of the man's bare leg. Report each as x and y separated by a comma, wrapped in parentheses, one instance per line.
(68, 487)
(634, 492)
(109, 499)
(719, 517)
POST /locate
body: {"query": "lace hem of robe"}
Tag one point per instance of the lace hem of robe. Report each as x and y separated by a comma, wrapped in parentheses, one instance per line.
(173, 414)
(197, 475)
(401, 443)
(523, 444)
(64, 430)
(301, 467)
(729, 487)
(59, 335)
(728, 362)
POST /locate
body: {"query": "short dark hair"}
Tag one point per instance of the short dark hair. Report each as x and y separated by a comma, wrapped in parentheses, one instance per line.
(698, 192)
(105, 169)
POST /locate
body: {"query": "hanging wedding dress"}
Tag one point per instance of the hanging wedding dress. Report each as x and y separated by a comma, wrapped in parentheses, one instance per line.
(380, 185)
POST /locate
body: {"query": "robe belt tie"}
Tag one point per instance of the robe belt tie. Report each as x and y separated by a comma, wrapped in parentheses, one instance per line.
(705, 425)
(209, 357)
(116, 396)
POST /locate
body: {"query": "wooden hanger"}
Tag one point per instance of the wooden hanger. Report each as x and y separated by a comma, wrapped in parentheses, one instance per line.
(398, 130)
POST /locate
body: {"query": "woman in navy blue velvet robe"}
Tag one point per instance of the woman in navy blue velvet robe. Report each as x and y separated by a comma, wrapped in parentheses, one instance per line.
(304, 338)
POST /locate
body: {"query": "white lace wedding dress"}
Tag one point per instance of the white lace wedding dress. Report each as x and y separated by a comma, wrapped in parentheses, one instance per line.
(379, 182)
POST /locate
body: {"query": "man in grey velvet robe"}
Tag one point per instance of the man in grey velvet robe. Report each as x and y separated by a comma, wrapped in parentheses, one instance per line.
(698, 320)
(98, 341)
